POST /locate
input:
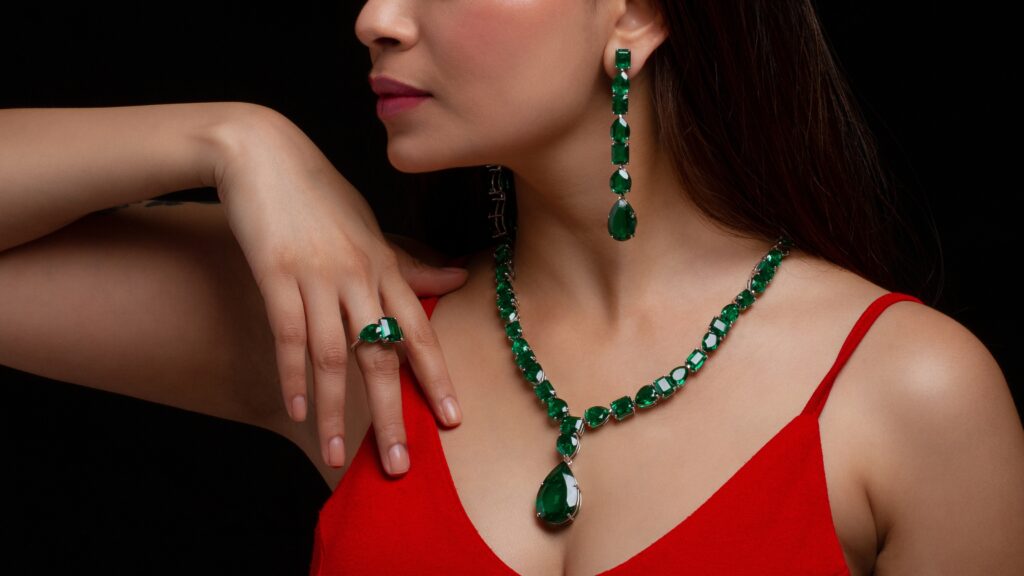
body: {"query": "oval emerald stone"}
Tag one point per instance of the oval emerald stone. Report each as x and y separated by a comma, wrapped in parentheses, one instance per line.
(745, 299)
(544, 390)
(567, 445)
(646, 396)
(620, 130)
(557, 408)
(513, 329)
(596, 416)
(370, 333)
(559, 497)
(730, 313)
(622, 220)
(519, 346)
(620, 181)
(620, 84)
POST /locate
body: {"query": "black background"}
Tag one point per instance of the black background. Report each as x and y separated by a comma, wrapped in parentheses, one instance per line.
(115, 484)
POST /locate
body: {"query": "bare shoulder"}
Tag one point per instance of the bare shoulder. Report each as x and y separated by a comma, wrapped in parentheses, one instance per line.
(941, 447)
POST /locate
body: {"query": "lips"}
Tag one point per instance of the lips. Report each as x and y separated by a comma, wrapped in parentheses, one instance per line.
(387, 87)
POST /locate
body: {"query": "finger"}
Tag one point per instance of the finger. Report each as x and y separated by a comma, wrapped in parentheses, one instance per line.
(422, 348)
(328, 354)
(288, 325)
(380, 368)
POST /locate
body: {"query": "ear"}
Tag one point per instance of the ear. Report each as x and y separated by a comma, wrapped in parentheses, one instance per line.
(639, 26)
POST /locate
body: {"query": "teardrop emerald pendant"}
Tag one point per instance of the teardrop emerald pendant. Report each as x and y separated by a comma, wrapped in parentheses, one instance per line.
(559, 497)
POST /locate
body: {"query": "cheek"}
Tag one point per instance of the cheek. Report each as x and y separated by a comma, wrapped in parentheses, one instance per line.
(502, 55)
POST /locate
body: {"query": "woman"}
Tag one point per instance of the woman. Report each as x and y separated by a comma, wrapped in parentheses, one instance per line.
(899, 435)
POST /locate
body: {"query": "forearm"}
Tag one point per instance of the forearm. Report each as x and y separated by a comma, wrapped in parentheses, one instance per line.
(59, 164)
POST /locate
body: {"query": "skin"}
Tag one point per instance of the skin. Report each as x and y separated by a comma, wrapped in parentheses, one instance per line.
(904, 435)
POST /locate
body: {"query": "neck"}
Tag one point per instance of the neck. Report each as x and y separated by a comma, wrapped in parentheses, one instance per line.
(565, 260)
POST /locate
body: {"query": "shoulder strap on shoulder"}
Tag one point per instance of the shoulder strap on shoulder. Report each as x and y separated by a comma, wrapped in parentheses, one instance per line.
(860, 328)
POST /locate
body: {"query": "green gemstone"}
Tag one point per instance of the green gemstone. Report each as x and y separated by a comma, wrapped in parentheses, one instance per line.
(744, 299)
(774, 256)
(534, 374)
(620, 181)
(505, 299)
(695, 360)
(370, 333)
(557, 408)
(524, 361)
(758, 283)
(567, 445)
(559, 498)
(502, 271)
(389, 329)
(678, 375)
(622, 220)
(620, 84)
(664, 386)
(646, 396)
(513, 330)
(719, 327)
(620, 130)
(520, 346)
(596, 416)
(710, 342)
(730, 313)
(572, 425)
(622, 407)
(620, 104)
(504, 286)
(503, 253)
(508, 314)
(544, 390)
(766, 268)
(622, 58)
(620, 153)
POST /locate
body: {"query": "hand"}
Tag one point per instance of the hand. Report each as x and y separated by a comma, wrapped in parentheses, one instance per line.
(325, 270)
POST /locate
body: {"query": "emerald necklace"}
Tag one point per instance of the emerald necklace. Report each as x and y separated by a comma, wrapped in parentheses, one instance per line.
(559, 498)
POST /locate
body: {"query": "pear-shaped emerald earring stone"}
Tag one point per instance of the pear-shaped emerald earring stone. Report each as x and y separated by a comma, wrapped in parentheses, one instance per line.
(559, 497)
(622, 220)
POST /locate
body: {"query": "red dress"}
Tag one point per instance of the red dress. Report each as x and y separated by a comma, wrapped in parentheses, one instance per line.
(771, 517)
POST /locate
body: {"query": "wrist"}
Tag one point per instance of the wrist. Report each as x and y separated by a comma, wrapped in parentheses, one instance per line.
(236, 125)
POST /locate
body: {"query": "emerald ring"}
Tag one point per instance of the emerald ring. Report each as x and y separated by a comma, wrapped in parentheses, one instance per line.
(385, 331)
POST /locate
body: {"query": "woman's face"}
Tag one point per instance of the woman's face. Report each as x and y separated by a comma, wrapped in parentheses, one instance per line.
(508, 78)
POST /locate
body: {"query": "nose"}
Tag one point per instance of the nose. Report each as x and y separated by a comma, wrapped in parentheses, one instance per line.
(383, 23)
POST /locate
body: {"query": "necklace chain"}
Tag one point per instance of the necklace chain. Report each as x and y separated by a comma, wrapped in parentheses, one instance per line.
(559, 497)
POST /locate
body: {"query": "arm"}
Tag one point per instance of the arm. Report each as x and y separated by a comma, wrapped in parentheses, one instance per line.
(946, 476)
(153, 302)
(59, 164)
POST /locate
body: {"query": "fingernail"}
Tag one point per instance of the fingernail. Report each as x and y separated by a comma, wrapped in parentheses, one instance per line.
(299, 408)
(398, 458)
(336, 452)
(451, 410)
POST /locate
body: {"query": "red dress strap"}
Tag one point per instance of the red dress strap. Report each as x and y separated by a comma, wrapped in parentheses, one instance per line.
(860, 328)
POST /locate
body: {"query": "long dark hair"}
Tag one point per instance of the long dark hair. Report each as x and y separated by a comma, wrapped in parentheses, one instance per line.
(765, 135)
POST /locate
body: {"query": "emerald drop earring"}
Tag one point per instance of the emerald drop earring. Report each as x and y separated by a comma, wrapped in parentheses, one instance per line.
(622, 218)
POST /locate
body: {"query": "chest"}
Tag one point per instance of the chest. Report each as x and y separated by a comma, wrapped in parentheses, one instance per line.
(677, 474)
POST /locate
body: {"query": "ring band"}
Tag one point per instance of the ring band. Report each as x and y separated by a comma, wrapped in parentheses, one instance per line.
(384, 331)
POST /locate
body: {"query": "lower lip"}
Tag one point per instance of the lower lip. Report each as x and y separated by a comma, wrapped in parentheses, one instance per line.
(389, 106)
